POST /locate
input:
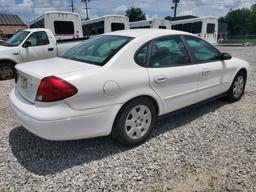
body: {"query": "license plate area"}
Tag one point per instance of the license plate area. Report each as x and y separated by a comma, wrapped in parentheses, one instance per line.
(23, 82)
(26, 86)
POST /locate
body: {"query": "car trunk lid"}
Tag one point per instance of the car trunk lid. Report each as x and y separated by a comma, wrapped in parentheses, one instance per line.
(29, 75)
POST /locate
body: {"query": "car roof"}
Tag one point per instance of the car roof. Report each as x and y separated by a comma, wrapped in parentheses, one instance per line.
(145, 32)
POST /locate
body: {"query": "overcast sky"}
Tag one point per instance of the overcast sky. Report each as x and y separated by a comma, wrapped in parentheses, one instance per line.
(30, 9)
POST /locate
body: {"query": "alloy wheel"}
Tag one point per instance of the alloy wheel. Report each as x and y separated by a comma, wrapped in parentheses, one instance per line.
(138, 122)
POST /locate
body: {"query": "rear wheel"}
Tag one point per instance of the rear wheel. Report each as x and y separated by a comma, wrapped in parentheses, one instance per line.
(7, 71)
(134, 122)
(236, 90)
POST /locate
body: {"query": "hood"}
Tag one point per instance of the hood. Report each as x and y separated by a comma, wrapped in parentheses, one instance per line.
(6, 49)
(54, 66)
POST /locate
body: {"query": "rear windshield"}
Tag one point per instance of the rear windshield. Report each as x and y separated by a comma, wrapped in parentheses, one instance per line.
(98, 50)
(117, 26)
(64, 27)
(210, 28)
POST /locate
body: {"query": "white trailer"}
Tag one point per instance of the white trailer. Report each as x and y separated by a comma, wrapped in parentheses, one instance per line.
(151, 23)
(64, 25)
(204, 27)
(105, 24)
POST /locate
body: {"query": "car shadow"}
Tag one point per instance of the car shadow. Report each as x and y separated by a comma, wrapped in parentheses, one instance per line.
(43, 157)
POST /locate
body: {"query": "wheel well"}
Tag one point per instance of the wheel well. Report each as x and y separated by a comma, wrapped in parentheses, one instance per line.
(142, 96)
(8, 61)
(243, 70)
(145, 97)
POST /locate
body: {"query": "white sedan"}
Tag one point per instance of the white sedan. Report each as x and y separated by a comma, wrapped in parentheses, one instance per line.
(119, 83)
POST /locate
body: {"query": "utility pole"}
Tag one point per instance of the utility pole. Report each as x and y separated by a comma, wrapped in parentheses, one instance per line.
(176, 2)
(72, 6)
(86, 8)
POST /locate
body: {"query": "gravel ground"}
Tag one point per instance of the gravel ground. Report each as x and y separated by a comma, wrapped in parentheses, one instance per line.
(208, 148)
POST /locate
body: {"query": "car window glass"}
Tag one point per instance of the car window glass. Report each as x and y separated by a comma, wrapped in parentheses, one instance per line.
(97, 50)
(210, 28)
(38, 38)
(202, 51)
(168, 52)
(141, 56)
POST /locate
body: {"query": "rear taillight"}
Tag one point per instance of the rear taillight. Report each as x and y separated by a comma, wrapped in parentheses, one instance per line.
(54, 89)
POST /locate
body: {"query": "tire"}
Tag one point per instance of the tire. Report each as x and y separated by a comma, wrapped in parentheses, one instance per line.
(7, 71)
(236, 90)
(134, 122)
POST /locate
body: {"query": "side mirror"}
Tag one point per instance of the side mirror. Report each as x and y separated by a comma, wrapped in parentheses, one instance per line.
(26, 44)
(225, 56)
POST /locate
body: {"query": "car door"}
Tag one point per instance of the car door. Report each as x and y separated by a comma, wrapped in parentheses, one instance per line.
(212, 69)
(40, 47)
(171, 72)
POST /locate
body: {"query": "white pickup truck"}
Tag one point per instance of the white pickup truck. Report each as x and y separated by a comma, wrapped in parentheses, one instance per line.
(29, 45)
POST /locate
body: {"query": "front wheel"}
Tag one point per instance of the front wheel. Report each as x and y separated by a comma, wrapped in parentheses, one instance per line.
(236, 90)
(134, 122)
(6, 71)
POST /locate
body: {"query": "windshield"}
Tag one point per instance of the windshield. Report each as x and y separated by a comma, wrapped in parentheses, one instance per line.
(98, 50)
(17, 38)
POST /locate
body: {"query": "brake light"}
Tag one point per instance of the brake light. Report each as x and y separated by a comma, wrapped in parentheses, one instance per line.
(54, 89)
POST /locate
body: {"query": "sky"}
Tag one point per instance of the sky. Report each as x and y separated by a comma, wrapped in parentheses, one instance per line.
(30, 9)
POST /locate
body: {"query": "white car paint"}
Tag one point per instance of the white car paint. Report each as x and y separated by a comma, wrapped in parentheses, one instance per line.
(102, 91)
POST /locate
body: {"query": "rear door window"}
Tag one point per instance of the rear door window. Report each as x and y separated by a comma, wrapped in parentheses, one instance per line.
(169, 52)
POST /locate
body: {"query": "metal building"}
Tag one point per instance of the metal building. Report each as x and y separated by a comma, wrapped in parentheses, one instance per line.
(9, 24)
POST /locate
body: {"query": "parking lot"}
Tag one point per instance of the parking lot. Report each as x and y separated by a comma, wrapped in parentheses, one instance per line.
(209, 148)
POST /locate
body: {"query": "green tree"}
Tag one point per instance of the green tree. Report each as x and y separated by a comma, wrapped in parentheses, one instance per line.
(241, 21)
(252, 19)
(135, 14)
(253, 8)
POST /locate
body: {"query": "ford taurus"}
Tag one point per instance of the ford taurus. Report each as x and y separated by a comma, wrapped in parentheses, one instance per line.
(119, 84)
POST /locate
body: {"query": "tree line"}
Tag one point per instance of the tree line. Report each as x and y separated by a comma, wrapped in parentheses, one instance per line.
(241, 21)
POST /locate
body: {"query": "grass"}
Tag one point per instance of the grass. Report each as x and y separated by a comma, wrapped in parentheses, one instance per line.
(253, 41)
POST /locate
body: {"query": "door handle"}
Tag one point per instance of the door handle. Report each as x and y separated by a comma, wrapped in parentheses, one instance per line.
(160, 79)
(206, 72)
(50, 49)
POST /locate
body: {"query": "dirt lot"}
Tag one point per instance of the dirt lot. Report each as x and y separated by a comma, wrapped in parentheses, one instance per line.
(208, 148)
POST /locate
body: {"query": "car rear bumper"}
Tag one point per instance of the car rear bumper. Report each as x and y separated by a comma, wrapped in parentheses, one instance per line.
(60, 122)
